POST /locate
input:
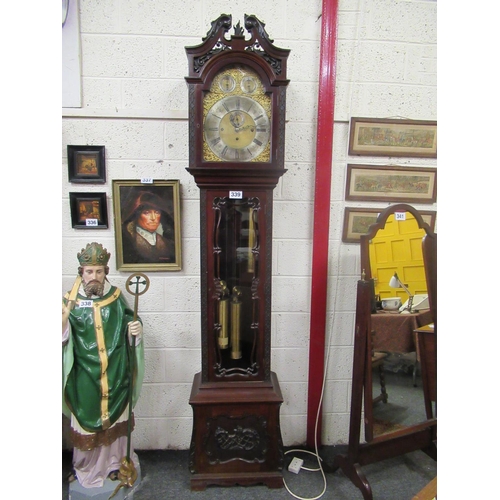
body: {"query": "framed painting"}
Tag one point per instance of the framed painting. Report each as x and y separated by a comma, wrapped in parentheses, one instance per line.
(358, 220)
(147, 225)
(388, 183)
(88, 210)
(86, 165)
(393, 137)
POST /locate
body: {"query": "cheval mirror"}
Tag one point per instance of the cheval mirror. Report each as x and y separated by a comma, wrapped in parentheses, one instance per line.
(400, 249)
(392, 255)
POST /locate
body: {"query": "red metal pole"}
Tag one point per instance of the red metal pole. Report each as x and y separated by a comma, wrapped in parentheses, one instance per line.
(324, 149)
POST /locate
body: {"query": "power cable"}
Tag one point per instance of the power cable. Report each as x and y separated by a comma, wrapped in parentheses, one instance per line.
(316, 454)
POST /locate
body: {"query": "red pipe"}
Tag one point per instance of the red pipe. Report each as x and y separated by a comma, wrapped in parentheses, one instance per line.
(324, 149)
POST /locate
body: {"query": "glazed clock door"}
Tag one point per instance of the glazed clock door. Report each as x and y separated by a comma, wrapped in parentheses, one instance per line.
(236, 295)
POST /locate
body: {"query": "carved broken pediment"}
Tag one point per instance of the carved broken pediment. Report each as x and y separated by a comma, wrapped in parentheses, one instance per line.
(216, 42)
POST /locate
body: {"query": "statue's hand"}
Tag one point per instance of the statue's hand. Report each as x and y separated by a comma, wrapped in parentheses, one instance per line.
(135, 328)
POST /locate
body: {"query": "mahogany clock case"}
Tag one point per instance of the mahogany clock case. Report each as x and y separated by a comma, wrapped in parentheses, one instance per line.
(237, 105)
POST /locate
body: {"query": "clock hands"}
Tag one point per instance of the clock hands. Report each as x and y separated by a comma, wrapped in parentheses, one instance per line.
(237, 119)
(239, 129)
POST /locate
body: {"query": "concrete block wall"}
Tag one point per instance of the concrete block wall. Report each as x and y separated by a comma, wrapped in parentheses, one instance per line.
(135, 104)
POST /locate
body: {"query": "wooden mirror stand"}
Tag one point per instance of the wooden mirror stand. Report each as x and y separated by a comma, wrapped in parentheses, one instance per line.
(419, 436)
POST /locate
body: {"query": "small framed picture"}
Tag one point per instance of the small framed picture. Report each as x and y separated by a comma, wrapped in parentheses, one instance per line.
(147, 225)
(86, 165)
(88, 210)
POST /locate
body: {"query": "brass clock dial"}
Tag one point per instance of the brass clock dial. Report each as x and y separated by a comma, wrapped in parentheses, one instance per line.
(237, 118)
(237, 128)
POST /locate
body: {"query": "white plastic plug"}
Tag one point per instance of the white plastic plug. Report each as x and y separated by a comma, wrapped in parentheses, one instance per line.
(295, 465)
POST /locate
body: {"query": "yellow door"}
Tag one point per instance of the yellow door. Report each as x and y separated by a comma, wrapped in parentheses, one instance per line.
(398, 249)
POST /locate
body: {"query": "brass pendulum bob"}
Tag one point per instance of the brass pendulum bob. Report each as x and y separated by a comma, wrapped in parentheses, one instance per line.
(235, 324)
(251, 241)
(224, 317)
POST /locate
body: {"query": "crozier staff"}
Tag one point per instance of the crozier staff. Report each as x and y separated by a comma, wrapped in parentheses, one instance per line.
(98, 328)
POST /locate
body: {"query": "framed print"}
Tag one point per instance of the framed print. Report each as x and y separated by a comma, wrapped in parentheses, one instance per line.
(393, 137)
(86, 165)
(387, 183)
(147, 225)
(358, 220)
(88, 210)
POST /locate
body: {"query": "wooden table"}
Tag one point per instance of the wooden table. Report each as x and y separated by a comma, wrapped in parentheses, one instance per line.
(427, 344)
(394, 331)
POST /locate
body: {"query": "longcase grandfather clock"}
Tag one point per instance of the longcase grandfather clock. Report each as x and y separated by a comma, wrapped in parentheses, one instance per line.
(237, 98)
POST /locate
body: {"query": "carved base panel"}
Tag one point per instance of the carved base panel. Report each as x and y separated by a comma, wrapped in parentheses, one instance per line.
(236, 434)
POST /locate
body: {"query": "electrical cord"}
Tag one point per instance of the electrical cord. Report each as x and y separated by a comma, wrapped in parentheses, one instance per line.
(316, 454)
(360, 20)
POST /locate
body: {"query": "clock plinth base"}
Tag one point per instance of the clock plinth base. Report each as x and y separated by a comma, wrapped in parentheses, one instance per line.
(273, 480)
(236, 434)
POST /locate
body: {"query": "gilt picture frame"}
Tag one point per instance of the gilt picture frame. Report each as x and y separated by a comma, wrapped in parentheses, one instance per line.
(391, 183)
(86, 164)
(393, 137)
(357, 221)
(88, 210)
(147, 225)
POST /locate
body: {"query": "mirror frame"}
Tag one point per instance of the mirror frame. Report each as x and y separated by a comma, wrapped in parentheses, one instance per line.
(366, 269)
(421, 436)
(429, 238)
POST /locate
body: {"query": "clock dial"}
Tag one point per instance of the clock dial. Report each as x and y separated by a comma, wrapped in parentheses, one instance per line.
(237, 128)
(227, 83)
(237, 117)
(248, 84)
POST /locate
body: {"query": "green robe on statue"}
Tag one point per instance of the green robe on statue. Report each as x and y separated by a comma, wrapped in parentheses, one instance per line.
(96, 367)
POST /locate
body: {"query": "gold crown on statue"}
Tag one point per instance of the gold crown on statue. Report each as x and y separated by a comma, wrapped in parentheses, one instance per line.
(93, 255)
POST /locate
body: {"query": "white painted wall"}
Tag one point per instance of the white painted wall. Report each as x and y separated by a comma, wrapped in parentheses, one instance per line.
(135, 104)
